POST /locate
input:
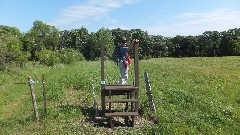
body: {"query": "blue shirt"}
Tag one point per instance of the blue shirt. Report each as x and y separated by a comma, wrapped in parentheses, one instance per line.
(123, 50)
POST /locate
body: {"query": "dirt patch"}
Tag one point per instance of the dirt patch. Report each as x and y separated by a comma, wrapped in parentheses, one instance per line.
(121, 122)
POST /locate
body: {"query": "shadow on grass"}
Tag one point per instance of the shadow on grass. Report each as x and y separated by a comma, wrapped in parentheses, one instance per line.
(90, 116)
(89, 113)
(238, 101)
(119, 122)
(100, 121)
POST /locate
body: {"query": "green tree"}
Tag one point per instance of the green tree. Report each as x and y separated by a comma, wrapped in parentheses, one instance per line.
(42, 36)
(230, 42)
(176, 46)
(235, 47)
(11, 47)
(184, 46)
(107, 37)
(75, 39)
(91, 50)
(209, 43)
(145, 47)
(159, 46)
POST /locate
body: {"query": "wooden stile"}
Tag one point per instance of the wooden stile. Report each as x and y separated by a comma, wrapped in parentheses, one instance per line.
(119, 89)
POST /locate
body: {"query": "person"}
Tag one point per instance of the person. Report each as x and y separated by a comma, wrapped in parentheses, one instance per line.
(124, 58)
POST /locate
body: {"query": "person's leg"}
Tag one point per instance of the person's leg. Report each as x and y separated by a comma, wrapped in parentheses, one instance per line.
(121, 67)
(123, 73)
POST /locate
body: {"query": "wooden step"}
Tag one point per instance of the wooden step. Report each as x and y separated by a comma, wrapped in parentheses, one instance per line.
(120, 87)
(119, 114)
(120, 100)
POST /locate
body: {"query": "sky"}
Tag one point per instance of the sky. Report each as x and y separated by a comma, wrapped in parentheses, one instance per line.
(158, 17)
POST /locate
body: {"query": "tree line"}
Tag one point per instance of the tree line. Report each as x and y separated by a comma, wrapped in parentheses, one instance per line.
(47, 45)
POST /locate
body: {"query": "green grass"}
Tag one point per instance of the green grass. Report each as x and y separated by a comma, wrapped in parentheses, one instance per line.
(191, 95)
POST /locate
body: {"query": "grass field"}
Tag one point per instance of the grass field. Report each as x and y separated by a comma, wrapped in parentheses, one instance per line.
(191, 95)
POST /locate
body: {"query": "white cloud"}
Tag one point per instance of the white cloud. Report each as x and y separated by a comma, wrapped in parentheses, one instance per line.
(111, 3)
(76, 13)
(193, 23)
(83, 11)
(91, 9)
(207, 14)
(217, 17)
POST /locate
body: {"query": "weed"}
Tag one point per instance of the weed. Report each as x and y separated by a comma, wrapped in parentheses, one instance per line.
(191, 95)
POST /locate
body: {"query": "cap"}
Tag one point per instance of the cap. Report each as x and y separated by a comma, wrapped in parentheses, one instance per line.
(124, 39)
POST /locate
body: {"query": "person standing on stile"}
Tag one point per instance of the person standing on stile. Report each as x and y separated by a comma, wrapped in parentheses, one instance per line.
(124, 58)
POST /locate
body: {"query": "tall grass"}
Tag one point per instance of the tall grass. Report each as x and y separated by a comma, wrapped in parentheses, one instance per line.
(191, 95)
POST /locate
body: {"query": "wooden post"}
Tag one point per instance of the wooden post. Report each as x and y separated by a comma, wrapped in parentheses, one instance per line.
(149, 92)
(136, 73)
(33, 98)
(44, 96)
(102, 77)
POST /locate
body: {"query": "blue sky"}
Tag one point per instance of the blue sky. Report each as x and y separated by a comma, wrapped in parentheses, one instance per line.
(157, 17)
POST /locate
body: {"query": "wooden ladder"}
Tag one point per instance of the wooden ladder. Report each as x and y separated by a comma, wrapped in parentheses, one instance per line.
(129, 91)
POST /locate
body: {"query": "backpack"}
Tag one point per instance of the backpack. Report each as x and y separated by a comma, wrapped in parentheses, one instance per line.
(116, 55)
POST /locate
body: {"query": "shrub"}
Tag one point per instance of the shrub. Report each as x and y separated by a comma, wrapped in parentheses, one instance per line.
(47, 57)
(65, 56)
(11, 53)
(68, 56)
